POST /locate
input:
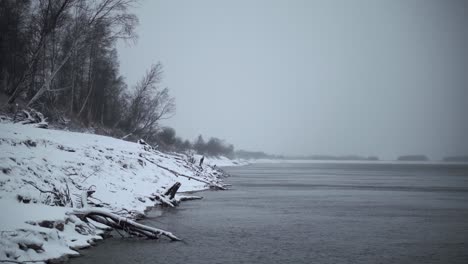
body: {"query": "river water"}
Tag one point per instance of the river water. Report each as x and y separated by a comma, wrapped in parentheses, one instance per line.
(312, 213)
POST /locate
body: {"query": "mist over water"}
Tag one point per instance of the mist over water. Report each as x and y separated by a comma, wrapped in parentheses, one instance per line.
(314, 213)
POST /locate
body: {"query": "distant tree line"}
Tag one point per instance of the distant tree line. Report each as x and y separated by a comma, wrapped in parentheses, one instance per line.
(413, 158)
(341, 158)
(167, 140)
(244, 154)
(59, 57)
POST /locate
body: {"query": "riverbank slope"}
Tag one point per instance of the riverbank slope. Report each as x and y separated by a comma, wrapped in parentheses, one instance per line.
(44, 172)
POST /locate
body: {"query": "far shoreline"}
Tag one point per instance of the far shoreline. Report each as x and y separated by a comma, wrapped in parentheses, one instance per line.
(382, 162)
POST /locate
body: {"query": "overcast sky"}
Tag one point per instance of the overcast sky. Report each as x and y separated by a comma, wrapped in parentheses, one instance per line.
(312, 77)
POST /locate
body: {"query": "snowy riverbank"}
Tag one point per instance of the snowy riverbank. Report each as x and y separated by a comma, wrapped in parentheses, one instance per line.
(43, 173)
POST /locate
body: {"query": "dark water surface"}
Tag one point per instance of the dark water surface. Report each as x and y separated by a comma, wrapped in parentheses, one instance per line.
(313, 213)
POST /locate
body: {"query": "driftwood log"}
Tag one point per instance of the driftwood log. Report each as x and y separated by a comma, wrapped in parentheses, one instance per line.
(172, 191)
(169, 198)
(118, 222)
(31, 116)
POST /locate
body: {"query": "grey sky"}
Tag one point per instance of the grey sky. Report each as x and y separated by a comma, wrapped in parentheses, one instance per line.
(312, 77)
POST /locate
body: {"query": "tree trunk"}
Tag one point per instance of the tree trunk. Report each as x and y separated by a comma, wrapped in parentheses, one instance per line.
(173, 190)
(48, 81)
(90, 84)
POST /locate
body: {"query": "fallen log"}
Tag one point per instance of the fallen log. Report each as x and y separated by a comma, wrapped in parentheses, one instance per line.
(122, 223)
(212, 184)
(168, 201)
(118, 222)
(163, 199)
(173, 200)
(31, 116)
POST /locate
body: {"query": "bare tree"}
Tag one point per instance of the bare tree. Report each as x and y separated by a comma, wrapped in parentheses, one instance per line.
(66, 62)
(48, 15)
(108, 13)
(149, 104)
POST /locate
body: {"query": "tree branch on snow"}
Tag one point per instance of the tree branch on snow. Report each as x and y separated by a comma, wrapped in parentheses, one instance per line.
(177, 174)
(61, 198)
(91, 174)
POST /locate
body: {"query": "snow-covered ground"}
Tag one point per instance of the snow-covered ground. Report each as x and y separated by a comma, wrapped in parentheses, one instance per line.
(43, 173)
